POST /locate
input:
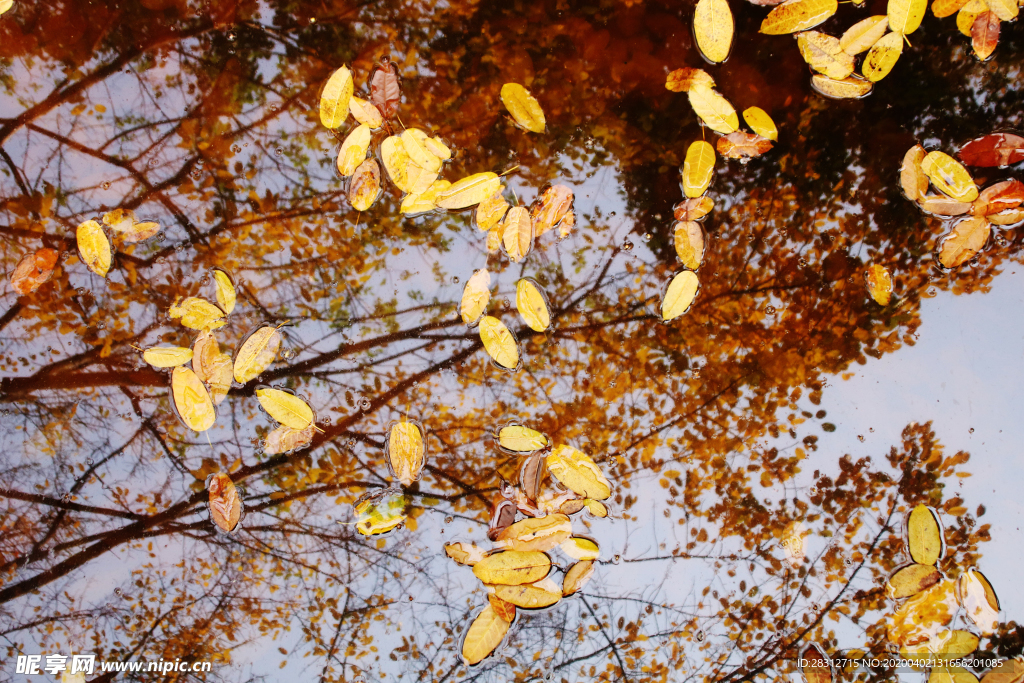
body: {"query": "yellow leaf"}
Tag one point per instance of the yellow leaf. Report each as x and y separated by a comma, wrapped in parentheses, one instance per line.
(167, 356)
(225, 290)
(949, 177)
(414, 139)
(494, 240)
(364, 187)
(945, 8)
(5, 5)
(1007, 671)
(698, 168)
(551, 208)
(353, 150)
(469, 191)
(906, 15)
(798, 15)
(521, 439)
(492, 210)
(979, 600)
(219, 381)
(284, 439)
(225, 503)
(680, 80)
(924, 535)
(198, 314)
(119, 220)
(965, 21)
(679, 296)
(140, 231)
(964, 242)
(1005, 10)
(427, 201)
(574, 469)
(191, 400)
(879, 284)
(483, 636)
(713, 109)
(525, 109)
(882, 57)
(693, 208)
(952, 674)
(581, 548)
(437, 147)
(864, 34)
(824, 54)
(911, 580)
(365, 112)
(405, 452)
(527, 596)
(535, 534)
(475, 296)
(405, 172)
(93, 247)
(596, 508)
(713, 26)
(505, 610)
(512, 568)
(205, 351)
(517, 233)
(335, 98)
(464, 553)
(761, 123)
(256, 353)
(577, 576)
(288, 409)
(848, 88)
(499, 342)
(566, 225)
(689, 242)
(912, 178)
(532, 305)
(379, 512)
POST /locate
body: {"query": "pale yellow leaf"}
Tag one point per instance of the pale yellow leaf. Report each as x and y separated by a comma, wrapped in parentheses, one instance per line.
(191, 400)
(284, 439)
(512, 567)
(596, 508)
(405, 452)
(577, 472)
(405, 172)
(469, 191)
(689, 243)
(911, 580)
(5, 5)
(679, 295)
(523, 106)
(198, 314)
(119, 220)
(427, 201)
(517, 233)
(140, 231)
(912, 178)
(1005, 10)
(713, 26)
(761, 123)
(1006, 217)
(941, 205)
(335, 98)
(698, 168)
(551, 207)
(475, 296)
(521, 439)
(219, 381)
(906, 15)
(365, 112)
(93, 247)
(437, 147)
(882, 57)
(577, 576)
(256, 353)
(865, 33)
(580, 548)
(225, 290)
(499, 342)
(494, 240)
(286, 408)
(824, 54)
(492, 210)
(964, 242)
(414, 140)
(798, 15)
(225, 503)
(167, 356)
(205, 351)
(532, 305)
(924, 535)
(484, 635)
(464, 553)
(536, 534)
(949, 177)
(848, 88)
(979, 600)
(713, 109)
(527, 596)
(353, 150)
(879, 284)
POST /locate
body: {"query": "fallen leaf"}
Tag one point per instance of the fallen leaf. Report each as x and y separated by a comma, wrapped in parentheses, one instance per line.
(353, 150)
(140, 231)
(713, 27)
(499, 342)
(378, 512)
(523, 106)
(552, 205)
(865, 33)
(414, 140)
(527, 596)
(5, 5)
(906, 15)
(879, 284)
(693, 209)
(517, 233)
(815, 665)
(475, 296)
(985, 35)
(535, 534)
(503, 513)
(197, 314)
(824, 54)
(976, 595)
(365, 112)
(577, 472)
(577, 576)
(505, 610)
(364, 187)
(405, 452)
(689, 242)
(761, 123)
(743, 145)
(580, 548)
(1006, 194)
(713, 109)
(918, 619)
(995, 149)
(520, 439)
(93, 247)
(464, 553)
(571, 507)
(946, 8)
(698, 168)
(335, 98)
(798, 15)
(912, 178)
(964, 242)
(949, 177)
(469, 191)
(532, 305)
(681, 80)
(413, 204)
(941, 205)
(965, 21)
(566, 225)
(1007, 217)
(1005, 10)
(483, 636)
(531, 476)
(385, 87)
(882, 57)
(284, 439)
(848, 88)
(512, 568)
(596, 508)
(944, 645)
(494, 240)
(911, 580)
(167, 356)
(286, 408)
(1007, 671)
(219, 381)
(924, 535)
(679, 296)
(256, 353)
(191, 400)
(492, 210)
(205, 351)
(408, 174)
(952, 674)
(225, 290)
(225, 503)
(436, 146)
(33, 270)
(124, 222)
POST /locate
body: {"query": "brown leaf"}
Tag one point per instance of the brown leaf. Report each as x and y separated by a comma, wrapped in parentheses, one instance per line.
(941, 205)
(505, 610)
(680, 80)
(816, 666)
(225, 503)
(912, 178)
(576, 576)
(552, 205)
(531, 475)
(1007, 194)
(33, 270)
(385, 87)
(985, 35)
(364, 187)
(503, 513)
(1008, 217)
(1008, 671)
(995, 149)
(743, 145)
(964, 242)
(693, 209)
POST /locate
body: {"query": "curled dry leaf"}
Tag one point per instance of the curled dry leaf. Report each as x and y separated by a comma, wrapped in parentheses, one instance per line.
(865, 33)
(596, 508)
(879, 284)
(536, 534)
(475, 296)
(815, 665)
(912, 178)
(413, 204)
(798, 15)
(284, 439)
(941, 205)
(226, 296)
(364, 187)
(580, 548)
(167, 356)
(680, 80)
(946, 8)
(288, 409)
(824, 54)
(191, 400)
(353, 150)
(197, 314)
(577, 472)
(520, 439)
(531, 477)
(512, 568)
(924, 535)
(743, 145)
(1006, 217)
(979, 600)
(93, 247)
(949, 177)
(693, 209)
(492, 210)
(846, 89)
(33, 270)
(503, 513)
(905, 15)
(225, 503)
(405, 452)
(335, 98)
(679, 295)
(464, 553)
(469, 191)
(527, 596)
(761, 123)
(882, 57)
(911, 580)
(365, 112)
(985, 34)
(1006, 194)
(698, 168)
(385, 87)
(713, 27)
(689, 242)
(577, 576)
(523, 106)
(550, 208)
(995, 149)
(713, 109)
(517, 233)
(499, 342)
(505, 610)
(256, 353)
(484, 635)
(964, 242)
(532, 305)
(378, 512)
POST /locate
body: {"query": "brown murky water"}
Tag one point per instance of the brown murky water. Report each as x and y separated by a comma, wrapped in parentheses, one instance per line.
(762, 450)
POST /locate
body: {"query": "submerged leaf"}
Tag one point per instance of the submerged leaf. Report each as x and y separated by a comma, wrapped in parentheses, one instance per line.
(879, 284)
(365, 112)
(33, 270)
(693, 209)
(1005, 10)
(532, 305)
(681, 80)
(405, 452)
(464, 553)
(499, 342)
(536, 534)
(521, 439)
(574, 469)
(743, 145)
(512, 568)
(964, 242)
(492, 210)
(713, 27)
(946, 8)
(550, 208)
(527, 596)
(484, 635)
(882, 57)
(965, 21)
(911, 580)
(517, 233)
(288, 409)
(713, 109)
(225, 290)
(761, 123)
(985, 34)
(689, 242)
(824, 54)
(566, 225)
(191, 400)
(505, 610)
(469, 191)
(912, 178)
(93, 247)
(197, 314)
(941, 205)
(679, 296)
(995, 149)
(798, 15)
(475, 296)
(364, 187)
(353, 150)
(284, 439)
(225, 503)
(924, 536)
(865, 33)
(408, 174)
(1007, 671)
(205, 352)
(335, 98)
(167, 356)
(256, 353)
(917, 619)
(698, 168)
(523, 106)
(848, 88)
(949, 177)
(906, 15)
(577, 576)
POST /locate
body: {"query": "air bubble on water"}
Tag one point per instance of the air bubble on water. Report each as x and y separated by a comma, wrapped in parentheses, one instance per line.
(455, 279)
(860, 437)
(279, 151)
(770, 310)
(365, 403)
(616, 559)
(449, 519)
(971, 430)
(506, 302)
(627, 245)
(231, 35)
(288, 354)
(236, 149)
(647, 237)
(105, 186)
(700, 636)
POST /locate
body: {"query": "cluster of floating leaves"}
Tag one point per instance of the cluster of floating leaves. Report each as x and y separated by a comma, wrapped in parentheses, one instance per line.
(382, 510)
(979, 20)
(517, 570)
(975, 211)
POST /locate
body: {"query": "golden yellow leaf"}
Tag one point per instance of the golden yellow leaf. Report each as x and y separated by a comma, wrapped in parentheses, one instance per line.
(167, 356)
(945, 8)
(405, 452)
(698, 168)
(284, 439)
(219, 381)
(483, 636)
(415, 140)
(475, 296)
(976, 6)
(679, 295)
(816, 665)
(566, 225)
(512, 568)
(532, 305)
(906, 15)
(469, 191)
(580, 548)
(353, 150)
(499, 342)
(879, 284)
(521, 439)
(680, 80)
(1006, 10)
(945, 645)
(225, 503)
(976, 595)
(577, 576)
(952, 674)
(505, 610)
(713, 26)
(577, 472)
(256, 353)
(427, 201)
(535, 534)
(596, 508)
(335, 98)
(525, 109)
(408, 174)
(848, 88)
(191, 400)
(824, 54)
(798, 15)
(464, 553)
(882, 57)
(225, 290)
(693, 208)
(492, 210)
(689, 242)
(286, 408)
(527, 596)
(5, 5)
(964, 242)
(365, 112)
(911, 580)
(713, 109)
(378, 512)
(93, 247)
(761, 123)
(205, 351)
(912, 178)
(198, 314)
(517, 233)
(494, 240)
(924, 535)
(865, 33)
(119, 220)
(965, 21)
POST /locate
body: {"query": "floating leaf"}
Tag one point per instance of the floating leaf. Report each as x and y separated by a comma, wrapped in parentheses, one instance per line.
(1008, 671)
(499, 342)
(484, 635)
(879, 284)
(944, 645)
(425, 201)
(197, 314)
(681, 80)
(225, 290)
(219, 381)
(596, 508)
(94, 247)
(580, 548)
(964, 242)
(693, 209)
(140, 231)
(225, 503)
(577, 576)
(33, 270)
(911, 580)
(946, 8)
(464, 553)
(1006, 194)
(284, 439)
(475, 296)
(979, 600)
(191, 400)
(760, 123)
(512, 568)
(536, 534)
(995, 149)
(256, 353)
(689, 241)
(385, 87)
(743, 145)
(531, 476)
(698, 168)
(532, 305)
(848, 88)
(949, 177)
(527, 596)
(1007, 217)
(798, 15)
(924, 535)
(550, 208)
(517, 233)
(985, 35)
(577, 472)
(365, 112)
(494, 240)
(407, 175)
(469, 191)
(815, 665)
(713, 26)
(917, 619)
(521, 439)
(364, 187)
(335, 98)
(824, 54)
(492, 210)
(167, 356)
(288, 409)
(353, 150)
(503, 513)
(414, 140)
(1005, 10)
(906, 15)
(436, 147)
(405, 452)
(205, 352)
(882, 57)
(794, 543)
(124, 222)
(941, 205)
(713, 109)
(679, 296)
(965, 21)
(566, 225)
(952, 674)
(5, 5)
(912, 178)
(505, 610)
(378, 512)
(865, 33)
(523, 106)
